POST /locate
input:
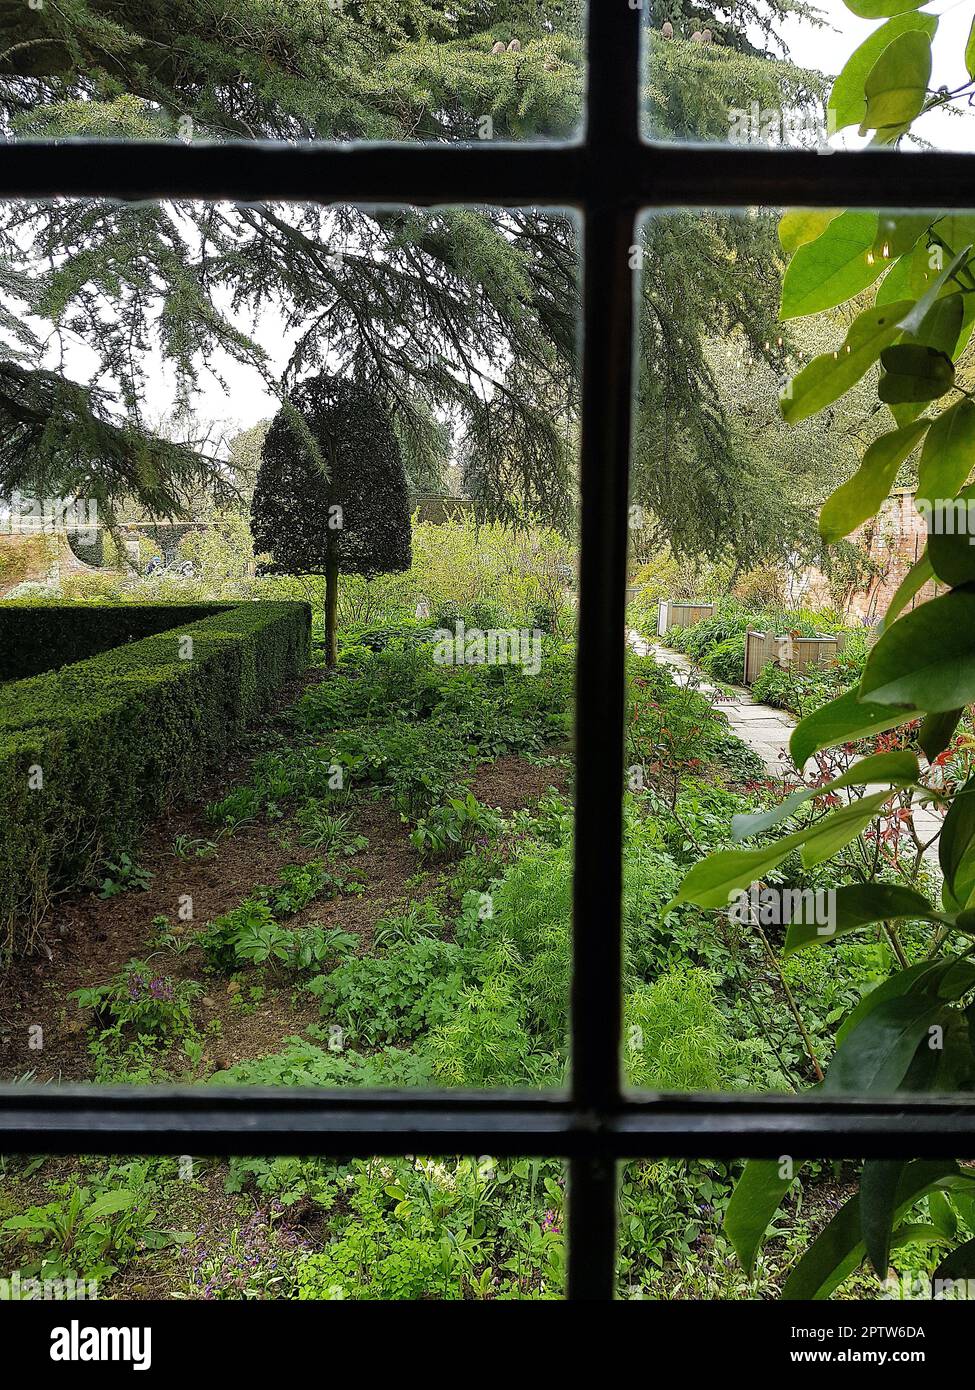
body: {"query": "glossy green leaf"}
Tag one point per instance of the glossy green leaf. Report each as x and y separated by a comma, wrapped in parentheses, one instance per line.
(879, 1181)
(899, 768)
(913, 372)
(926, 660)
(847, 102)
(960, 1263)
(744, 826)
(942, 1216)
(835, 831)
(924, 977)
(951, 538)
(956, 844)
(858, 905)
(948, 455)
(839, 1249)
(970, 51)
(907, 278)
(799, 225)
(897, 84)
(861, 496)
(916, 316)
(757, 1197)
(941, 326)
(830, 270)
(937, 731)
(954, 230)
(880, 9)
(842, 721)
(830, 375)
(913, 582)
(713, 880)
(875, 1055)
(898, 232)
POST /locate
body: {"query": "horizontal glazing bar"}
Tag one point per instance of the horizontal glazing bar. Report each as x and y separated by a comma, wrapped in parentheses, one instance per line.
(252, 1121)
(627, 174)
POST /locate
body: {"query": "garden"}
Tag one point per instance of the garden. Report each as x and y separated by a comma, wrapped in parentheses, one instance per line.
(366, 881)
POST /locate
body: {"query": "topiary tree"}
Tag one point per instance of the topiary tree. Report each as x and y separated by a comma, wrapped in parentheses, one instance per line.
(331, 491)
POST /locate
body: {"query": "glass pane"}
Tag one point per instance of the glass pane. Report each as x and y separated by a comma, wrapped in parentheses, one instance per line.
(767, 74)
(284, 1228)
(797, 859)
(685, 1234)
(224, 861)
(329, 70)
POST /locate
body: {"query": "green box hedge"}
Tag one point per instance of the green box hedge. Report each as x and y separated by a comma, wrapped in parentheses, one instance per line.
(40, 637)
(91, 752)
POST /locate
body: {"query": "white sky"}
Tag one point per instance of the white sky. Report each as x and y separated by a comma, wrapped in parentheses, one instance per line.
(248, 399)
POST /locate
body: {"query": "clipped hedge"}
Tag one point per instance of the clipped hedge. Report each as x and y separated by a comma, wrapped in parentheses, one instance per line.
(90, 753)
(40, 637)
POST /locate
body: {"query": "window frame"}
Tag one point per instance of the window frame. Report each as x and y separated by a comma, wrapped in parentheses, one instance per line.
(610, 176)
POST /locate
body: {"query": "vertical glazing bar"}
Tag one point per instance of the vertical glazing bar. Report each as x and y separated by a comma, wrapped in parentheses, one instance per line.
(612, 132)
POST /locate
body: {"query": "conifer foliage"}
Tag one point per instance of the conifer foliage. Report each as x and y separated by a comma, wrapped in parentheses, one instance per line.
(331, 492)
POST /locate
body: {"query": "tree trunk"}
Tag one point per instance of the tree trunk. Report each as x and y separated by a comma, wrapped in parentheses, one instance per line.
(331, 608)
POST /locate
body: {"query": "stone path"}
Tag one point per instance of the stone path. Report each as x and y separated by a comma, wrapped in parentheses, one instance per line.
(766, 730)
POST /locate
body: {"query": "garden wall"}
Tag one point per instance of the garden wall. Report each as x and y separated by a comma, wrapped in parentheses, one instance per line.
(892, 542)
(90, 753)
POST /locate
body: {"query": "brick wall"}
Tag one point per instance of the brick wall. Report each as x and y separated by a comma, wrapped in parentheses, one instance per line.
(893, 540)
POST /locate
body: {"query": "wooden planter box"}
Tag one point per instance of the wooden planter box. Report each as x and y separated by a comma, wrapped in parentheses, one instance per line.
(679, 613)
(791, 653)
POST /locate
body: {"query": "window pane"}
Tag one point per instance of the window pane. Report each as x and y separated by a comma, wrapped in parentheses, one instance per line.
(287, 1228)
(315, 70)
(686, 1235)
(768, 75)
(222, 863)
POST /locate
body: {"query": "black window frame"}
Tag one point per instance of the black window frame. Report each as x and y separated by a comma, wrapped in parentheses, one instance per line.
(610, 176)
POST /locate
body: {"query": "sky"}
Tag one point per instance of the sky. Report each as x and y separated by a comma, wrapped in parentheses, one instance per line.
(248, 400)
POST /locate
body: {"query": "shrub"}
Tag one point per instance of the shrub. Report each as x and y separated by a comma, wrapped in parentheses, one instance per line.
(303, 1063)
(726, 661)
(42, 637)
(677, 1039)
(450, 830)
(410, 988)
(89, 754)
(152, 1007)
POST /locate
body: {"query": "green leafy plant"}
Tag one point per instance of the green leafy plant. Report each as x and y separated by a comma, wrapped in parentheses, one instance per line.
(124, 876)
(90, 1231)
(193, 847)
(448, 830)
(140, 1002)
(332, 834)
